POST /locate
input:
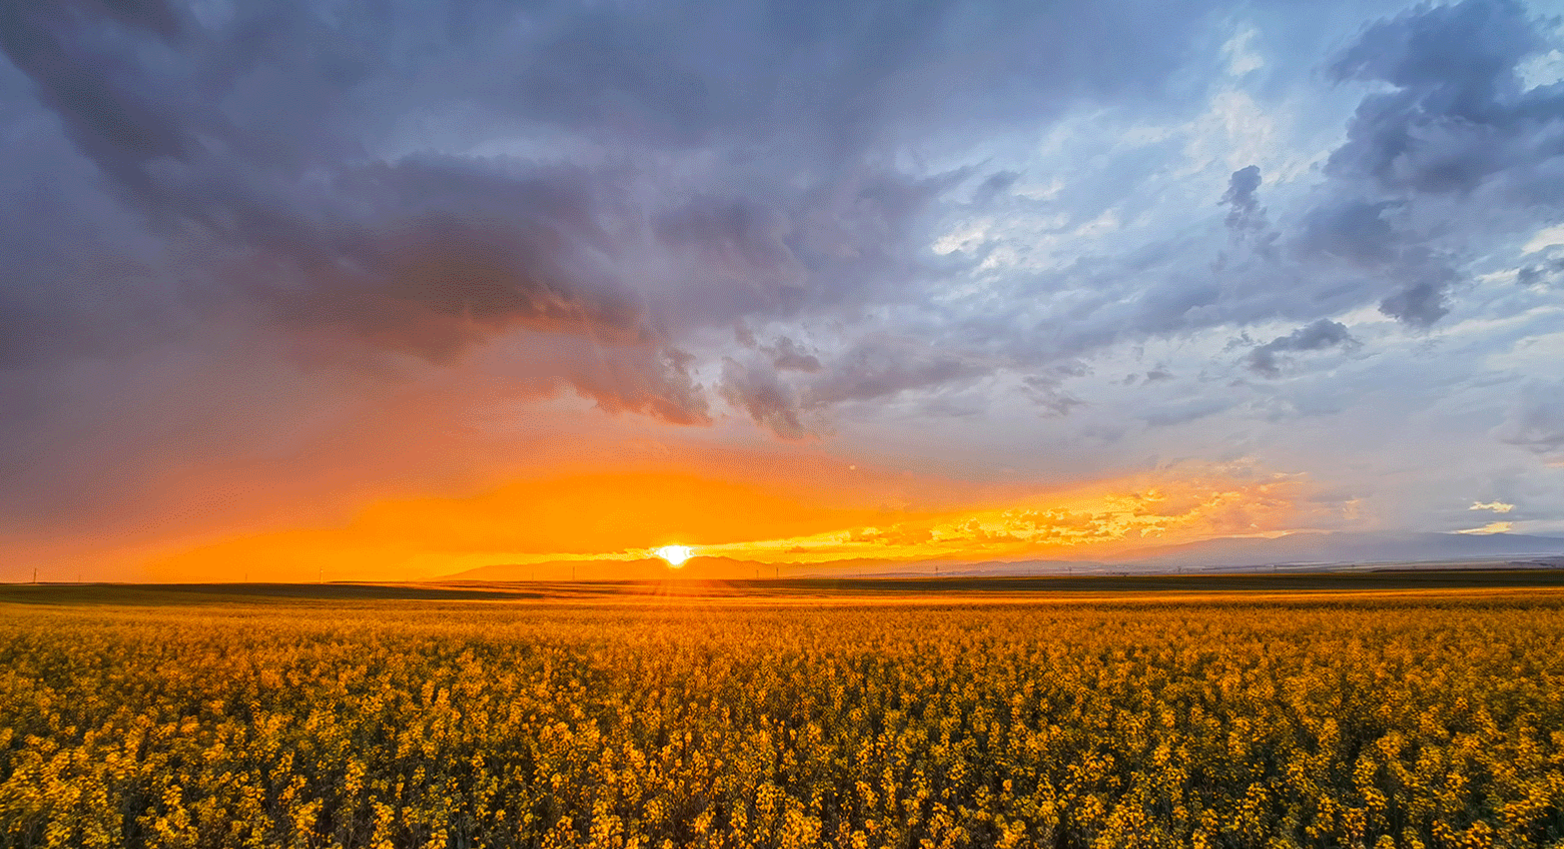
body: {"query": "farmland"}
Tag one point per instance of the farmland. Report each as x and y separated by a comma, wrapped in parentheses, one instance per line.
(1372, 715)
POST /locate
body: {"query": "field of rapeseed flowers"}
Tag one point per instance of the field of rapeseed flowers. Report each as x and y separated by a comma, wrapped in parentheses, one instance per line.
(407, 724)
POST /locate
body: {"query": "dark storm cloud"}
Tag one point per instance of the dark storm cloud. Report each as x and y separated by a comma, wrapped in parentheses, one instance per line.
(1353, 232)
(740, 245)
(792, 251)
(465, 253)
(1419, 304)
(1459, 113)
(259, 138)
(1247, 225)
(387, 250)
(82, 56)
(1358, 236)
(833, 76)
(1318, 336)
(376, 180)
(1456, 119)
(1244, 211)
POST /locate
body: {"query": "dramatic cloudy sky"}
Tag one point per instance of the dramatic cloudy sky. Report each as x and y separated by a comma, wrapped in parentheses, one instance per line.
(343, 289)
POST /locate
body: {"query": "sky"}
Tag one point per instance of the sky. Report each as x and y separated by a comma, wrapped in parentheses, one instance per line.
(349, 290)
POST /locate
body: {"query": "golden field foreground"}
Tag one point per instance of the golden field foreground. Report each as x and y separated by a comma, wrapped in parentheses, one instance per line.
(1336, 719)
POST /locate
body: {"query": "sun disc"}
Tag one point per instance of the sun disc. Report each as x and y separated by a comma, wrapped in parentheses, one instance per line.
(675, 554)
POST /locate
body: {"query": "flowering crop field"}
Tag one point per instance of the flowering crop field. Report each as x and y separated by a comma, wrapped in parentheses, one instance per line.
(1342, 721)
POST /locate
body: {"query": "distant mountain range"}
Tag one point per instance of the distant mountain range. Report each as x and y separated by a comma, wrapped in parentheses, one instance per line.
(1302, 549)
(1347, 548)
(1323, 550)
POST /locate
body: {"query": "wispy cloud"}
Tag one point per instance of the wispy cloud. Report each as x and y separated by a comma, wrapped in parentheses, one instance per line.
(1494, 506)
(1490, 528)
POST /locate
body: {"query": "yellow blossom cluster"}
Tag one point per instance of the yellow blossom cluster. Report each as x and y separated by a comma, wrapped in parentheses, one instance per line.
(398, 724)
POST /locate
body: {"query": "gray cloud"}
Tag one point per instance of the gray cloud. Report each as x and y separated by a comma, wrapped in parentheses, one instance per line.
(1357, 236)
(264, 138)
(995, 185)
(788, 355)
(1183, 412)
(1318, 336)
(1244, 210)
(875, 368)
(256, 144)
(1536, 420)
(768, 402)
(1046, 392)
(1456, 119)
(1419, 304)
(882, 366)
(1354, 232)
(1547, 272)
(1459, 113)
(660, 387)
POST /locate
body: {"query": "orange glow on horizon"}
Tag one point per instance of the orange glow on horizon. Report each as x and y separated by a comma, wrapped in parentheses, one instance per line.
(618, 525)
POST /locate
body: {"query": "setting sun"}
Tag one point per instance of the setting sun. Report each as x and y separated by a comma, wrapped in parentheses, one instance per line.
(675, 554)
